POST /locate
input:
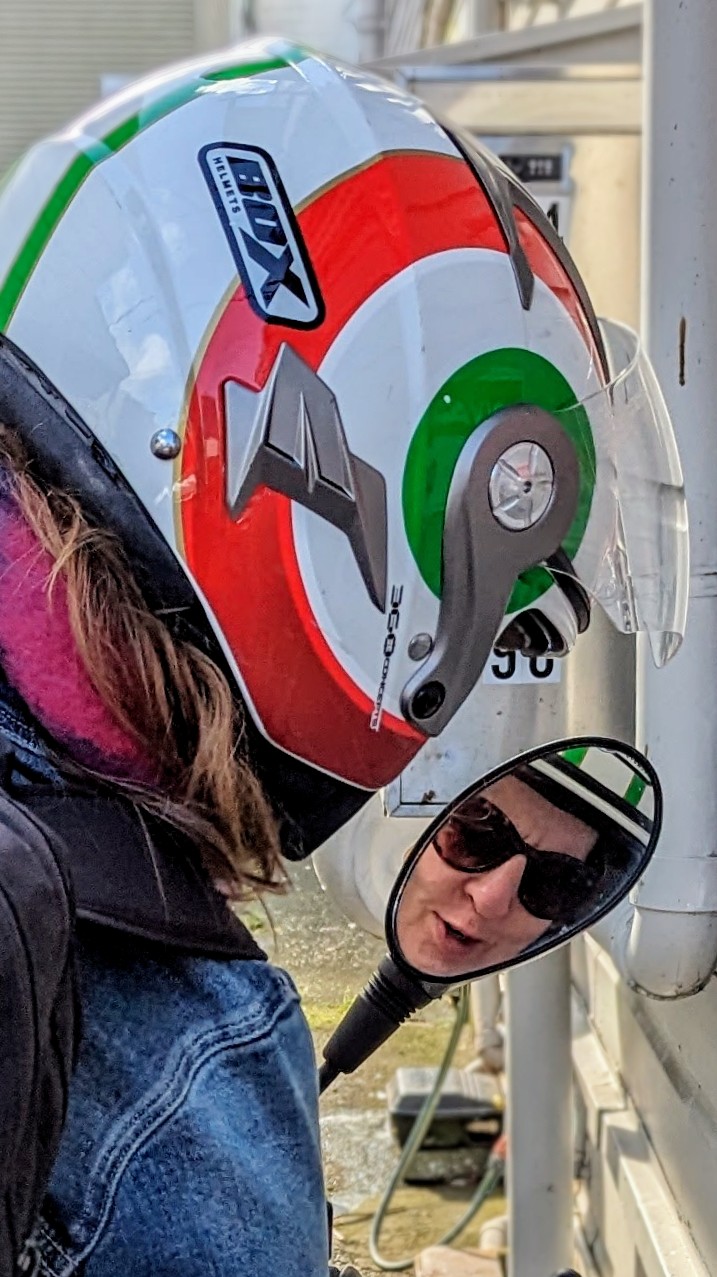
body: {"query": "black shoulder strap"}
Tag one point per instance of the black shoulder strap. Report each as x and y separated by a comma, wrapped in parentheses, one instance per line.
(69, 860)
(39, 1015)
(136, 875)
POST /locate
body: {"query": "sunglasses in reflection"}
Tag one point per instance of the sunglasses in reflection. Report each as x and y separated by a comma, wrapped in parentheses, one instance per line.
(553, 886)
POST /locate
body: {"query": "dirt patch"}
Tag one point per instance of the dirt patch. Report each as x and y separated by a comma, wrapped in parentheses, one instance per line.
(416, 1220)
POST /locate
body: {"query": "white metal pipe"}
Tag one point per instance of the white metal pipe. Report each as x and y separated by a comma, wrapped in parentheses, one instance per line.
(485, 1002)
(665, 952)
(540, 1150)
(669, 947)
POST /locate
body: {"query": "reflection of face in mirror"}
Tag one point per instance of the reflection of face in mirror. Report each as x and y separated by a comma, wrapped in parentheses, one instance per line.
(524, 861)
(497, 876)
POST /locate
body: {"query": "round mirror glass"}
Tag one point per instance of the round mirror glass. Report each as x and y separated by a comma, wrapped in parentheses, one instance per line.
(526, 858)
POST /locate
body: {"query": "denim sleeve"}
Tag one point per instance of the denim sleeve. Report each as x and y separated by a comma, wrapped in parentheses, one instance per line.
(192, 1147)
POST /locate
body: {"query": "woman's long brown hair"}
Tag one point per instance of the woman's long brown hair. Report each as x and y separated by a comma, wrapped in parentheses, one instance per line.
(168, 696)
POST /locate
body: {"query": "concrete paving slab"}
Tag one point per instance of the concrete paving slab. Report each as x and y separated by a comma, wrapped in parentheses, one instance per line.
(444, 1261)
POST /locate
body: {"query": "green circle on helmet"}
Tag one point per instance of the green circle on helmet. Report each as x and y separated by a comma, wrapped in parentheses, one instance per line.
(481, 387)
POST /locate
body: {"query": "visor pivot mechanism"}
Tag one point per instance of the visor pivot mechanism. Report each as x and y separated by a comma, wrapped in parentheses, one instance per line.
(512, 500)
(521, 486)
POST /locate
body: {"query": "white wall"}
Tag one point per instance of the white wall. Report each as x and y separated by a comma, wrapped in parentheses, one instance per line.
(322, 24)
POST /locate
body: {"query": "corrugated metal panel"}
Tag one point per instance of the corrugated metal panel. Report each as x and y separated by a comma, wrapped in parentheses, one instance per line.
(52, 56)
(524, 13)
(666, 1055)
(403, 26)
(406, 25)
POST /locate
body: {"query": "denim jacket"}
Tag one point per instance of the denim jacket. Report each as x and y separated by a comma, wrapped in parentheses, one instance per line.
(191, 1146)
(192, 1143)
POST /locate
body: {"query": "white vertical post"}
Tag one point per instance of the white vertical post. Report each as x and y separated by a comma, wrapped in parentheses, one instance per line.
(540, 1148)
(369, 19)
(680, 327)
(212, 24)
(485, 1003)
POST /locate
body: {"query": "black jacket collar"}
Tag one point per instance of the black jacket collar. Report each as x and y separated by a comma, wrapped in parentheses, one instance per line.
(132, 873)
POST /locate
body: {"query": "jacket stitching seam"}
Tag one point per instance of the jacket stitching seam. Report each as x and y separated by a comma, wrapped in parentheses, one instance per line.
(195, 1058)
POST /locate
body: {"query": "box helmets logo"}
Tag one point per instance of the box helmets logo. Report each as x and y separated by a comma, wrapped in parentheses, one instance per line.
(263, 234)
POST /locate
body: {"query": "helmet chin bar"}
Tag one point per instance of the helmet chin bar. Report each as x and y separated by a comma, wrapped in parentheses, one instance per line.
(487, 543)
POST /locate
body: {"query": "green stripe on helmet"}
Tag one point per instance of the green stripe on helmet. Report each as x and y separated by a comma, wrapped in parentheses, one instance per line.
(635, 791)
(66, 189)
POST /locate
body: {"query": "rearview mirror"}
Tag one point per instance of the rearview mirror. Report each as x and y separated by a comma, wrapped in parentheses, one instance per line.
(532, 854)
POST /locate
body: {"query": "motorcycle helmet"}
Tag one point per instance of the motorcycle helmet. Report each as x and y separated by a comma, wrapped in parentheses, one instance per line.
(329, 373)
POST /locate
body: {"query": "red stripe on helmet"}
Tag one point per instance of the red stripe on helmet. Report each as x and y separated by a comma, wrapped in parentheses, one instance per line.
(359, 234)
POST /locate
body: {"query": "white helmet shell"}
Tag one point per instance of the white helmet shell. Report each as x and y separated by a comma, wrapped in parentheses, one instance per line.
(282, 299)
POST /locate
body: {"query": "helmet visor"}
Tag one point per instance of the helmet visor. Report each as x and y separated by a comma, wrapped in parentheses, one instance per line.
(637, 543)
